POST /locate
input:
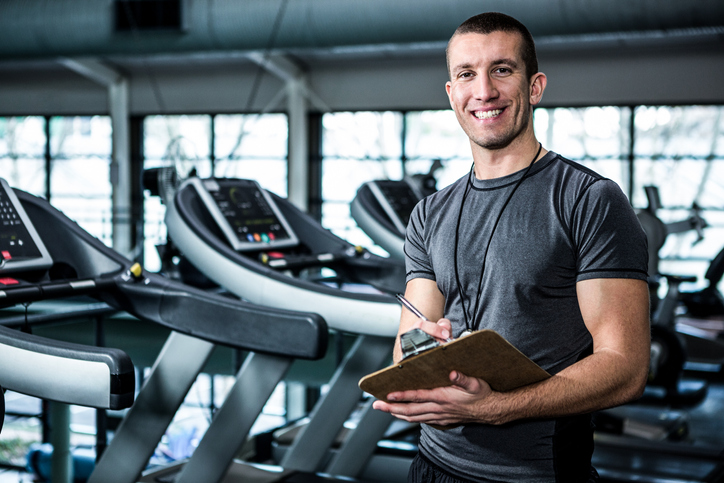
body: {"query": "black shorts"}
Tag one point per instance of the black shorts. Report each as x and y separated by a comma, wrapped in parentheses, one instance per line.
(422, 470)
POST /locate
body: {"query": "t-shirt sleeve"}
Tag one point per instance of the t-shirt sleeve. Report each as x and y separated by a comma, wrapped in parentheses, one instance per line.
(608, 237)
(417, 260)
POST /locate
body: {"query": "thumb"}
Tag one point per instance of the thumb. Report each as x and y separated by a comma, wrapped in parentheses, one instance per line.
(462, 381)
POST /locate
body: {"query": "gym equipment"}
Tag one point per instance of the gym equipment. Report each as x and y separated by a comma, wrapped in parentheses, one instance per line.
(64, 372)
(69, 373)
(286, 259)
(657, 231)
(382, 208)
(697, 345)
(261, 272)
(82, 265)
(707, 302)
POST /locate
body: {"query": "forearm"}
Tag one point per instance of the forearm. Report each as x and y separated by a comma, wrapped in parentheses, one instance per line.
(602, 380)
(424, 295)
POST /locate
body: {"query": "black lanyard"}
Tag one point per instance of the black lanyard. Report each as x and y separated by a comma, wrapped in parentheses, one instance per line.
(470, 320)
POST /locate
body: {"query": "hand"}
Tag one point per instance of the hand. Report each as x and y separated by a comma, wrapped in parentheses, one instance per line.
(440, 330)
(467, 400)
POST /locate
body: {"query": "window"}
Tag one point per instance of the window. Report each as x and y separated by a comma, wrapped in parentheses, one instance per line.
(597, 137)
(22, 153)
(80, 185)
(252, 147)
(681, 151)
(357, 147)
(70, 167)
(431, 135)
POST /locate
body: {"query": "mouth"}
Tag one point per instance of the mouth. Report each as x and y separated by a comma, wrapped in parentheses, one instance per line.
(487, 114)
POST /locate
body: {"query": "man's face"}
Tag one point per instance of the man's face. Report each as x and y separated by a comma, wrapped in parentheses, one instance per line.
(488, 88)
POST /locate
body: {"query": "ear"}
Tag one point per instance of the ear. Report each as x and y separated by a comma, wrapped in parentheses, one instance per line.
(537, 86)
(448, 87)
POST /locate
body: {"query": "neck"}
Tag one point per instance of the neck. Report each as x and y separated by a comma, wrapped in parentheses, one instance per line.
(491, 164)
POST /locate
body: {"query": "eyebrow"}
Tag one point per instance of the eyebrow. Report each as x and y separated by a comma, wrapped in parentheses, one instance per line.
(511, 62)
(505, 61)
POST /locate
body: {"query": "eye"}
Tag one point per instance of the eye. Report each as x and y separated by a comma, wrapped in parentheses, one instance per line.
(465, 74)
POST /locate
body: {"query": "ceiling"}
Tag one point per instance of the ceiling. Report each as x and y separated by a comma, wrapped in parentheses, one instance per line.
(35, 33)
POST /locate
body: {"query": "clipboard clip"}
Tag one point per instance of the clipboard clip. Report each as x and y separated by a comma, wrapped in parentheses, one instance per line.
(416, 341)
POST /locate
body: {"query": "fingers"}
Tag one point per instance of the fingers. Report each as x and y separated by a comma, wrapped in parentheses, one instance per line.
(453, 404)
(440, 330)
(462, 381)
(445, 324)
(429, 413)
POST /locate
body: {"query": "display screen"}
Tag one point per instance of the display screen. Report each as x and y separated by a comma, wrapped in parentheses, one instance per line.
(247, 211)
(19, 248)
(247, 214)
(400, 197)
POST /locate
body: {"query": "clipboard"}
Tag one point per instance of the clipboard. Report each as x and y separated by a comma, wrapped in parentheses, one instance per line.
(484, 354)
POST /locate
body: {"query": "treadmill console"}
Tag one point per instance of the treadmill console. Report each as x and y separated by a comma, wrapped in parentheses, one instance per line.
(246, 214)
(397, 199)
(20, 245)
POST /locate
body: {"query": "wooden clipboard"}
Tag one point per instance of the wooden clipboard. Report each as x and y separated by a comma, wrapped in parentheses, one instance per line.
(484, 354)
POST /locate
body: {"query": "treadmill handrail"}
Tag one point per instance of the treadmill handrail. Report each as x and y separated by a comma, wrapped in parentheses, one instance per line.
(227, 321)
(378, 228)
(32, 292)
(182, 308)
(66, 372)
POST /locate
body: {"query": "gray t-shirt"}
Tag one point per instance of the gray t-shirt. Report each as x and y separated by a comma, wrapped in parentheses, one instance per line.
(562, 225)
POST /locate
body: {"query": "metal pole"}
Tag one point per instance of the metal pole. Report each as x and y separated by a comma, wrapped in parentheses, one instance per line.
(61, 462)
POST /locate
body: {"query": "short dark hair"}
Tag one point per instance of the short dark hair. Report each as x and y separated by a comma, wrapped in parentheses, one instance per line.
(489, 22)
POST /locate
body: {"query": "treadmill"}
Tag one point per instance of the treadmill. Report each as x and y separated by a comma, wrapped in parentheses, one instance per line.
(382, 208)
(262, 248)
(29, 364)
(68, 262)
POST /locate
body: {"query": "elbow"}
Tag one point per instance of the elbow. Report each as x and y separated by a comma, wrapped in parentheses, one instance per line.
(639, 365)
(635, 386)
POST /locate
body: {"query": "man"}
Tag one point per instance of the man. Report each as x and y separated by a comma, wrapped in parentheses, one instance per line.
(540, 249)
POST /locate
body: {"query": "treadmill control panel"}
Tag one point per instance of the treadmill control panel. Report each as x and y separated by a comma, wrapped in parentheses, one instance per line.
(246, 213)
(20, 245)
(397, 198)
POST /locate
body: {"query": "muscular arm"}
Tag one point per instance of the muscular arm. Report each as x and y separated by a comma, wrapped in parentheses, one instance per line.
(424, 295)
(616, 314)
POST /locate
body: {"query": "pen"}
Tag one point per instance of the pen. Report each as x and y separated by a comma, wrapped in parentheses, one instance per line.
(414, 310)
(410, 307)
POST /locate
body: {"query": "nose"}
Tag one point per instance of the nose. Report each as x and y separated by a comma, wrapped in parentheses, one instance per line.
(485, 88)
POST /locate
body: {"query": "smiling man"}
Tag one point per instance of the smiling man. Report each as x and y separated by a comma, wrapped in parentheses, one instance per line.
(538, 248)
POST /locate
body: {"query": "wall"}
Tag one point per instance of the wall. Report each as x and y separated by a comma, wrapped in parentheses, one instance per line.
(576, 78)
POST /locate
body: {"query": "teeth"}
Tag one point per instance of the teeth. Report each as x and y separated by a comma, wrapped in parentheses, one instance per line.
(487, 114)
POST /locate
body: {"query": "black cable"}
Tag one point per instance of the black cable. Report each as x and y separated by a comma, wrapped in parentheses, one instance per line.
(26, 324)
(135, 32)
(468, 322)
(260, 73)
(267, 50)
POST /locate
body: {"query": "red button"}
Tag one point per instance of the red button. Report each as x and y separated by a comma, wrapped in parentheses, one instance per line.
(8, 281)
(6, 255)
